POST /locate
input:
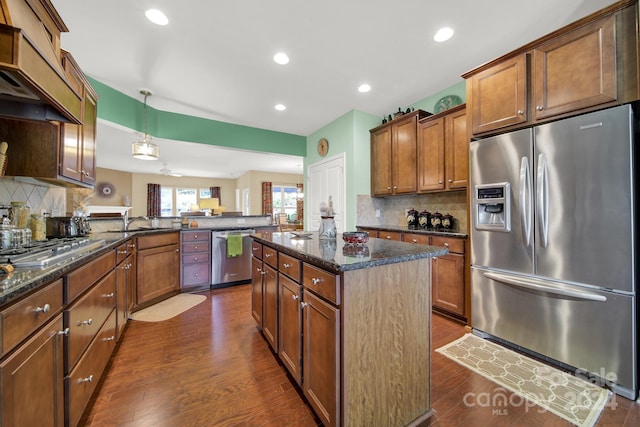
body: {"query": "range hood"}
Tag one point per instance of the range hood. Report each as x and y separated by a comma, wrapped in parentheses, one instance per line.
(33, 82)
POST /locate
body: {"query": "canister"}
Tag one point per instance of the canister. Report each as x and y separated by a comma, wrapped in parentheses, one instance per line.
(38, 227)
(19, 214)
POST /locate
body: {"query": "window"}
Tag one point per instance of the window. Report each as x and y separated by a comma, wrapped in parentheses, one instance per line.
(166, 201)
(284, 201)
(176, 200)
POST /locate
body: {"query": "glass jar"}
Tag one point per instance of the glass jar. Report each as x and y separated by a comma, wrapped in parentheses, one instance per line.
(38, 227)
(19, 214)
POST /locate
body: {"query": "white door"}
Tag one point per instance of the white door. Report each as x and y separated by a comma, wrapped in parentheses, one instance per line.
(324, 179)
(246, 208)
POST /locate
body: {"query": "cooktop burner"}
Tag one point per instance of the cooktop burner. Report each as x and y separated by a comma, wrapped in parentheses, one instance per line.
(47, 252)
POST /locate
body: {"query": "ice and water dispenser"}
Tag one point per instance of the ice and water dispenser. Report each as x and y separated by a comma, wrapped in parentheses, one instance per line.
(492, 207)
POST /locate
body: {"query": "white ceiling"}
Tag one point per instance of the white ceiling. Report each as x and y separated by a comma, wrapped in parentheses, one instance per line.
(214, 60)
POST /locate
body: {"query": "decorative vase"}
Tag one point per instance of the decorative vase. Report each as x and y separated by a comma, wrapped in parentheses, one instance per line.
(327, 228)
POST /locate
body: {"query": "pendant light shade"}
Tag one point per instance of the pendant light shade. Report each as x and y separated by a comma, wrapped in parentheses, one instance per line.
(144, 148)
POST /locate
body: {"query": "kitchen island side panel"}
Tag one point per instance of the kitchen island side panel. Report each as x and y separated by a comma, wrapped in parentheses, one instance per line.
(386, 344)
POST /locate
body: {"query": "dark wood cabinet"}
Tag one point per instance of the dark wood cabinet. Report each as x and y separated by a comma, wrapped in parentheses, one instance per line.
(257, 292)
(321, 357)
(589, 64)
(125, 284)
(448, 278)
(32, 380)
(158, 267)
(393, 156)
(290, 326)
(270, 296)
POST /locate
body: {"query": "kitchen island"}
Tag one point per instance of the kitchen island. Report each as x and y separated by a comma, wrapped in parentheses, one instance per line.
(350, 323)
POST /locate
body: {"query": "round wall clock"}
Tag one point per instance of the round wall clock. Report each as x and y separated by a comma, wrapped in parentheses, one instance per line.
(106, 190)
(323, 147)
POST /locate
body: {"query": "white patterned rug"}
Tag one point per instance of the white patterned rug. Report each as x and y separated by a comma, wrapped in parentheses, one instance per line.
(573, 399)
(168, 308)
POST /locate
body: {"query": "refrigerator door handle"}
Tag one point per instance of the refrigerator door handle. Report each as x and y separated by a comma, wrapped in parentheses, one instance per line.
(543, 200)
(525, 200)
(542, 286)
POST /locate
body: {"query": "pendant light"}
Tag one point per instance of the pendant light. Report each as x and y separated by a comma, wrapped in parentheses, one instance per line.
(144, 148)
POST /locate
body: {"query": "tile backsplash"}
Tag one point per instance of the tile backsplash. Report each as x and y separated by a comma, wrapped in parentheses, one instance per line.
(40, 196)
(393, 209)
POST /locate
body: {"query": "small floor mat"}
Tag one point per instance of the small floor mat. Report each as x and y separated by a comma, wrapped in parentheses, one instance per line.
(168, 308)
(571, 398)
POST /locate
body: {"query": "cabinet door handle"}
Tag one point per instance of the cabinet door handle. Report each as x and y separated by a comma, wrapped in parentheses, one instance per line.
(303, 304)
(177, 250)
(111, 295)
(111, 338)
(132, 246)
(44, 309)
(88, 379)
(450, 180)
(295, 297)
(539, 108)
(520, 112)
(85, 322)
(263, 272)
(65, 331)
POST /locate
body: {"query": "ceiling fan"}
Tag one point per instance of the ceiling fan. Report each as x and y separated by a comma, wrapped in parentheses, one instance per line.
(168, 172)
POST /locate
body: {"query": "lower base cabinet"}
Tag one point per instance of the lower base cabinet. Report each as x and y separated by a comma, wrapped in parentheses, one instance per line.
(321, 357)
(158, 266)
(31, 380)
(290, 318)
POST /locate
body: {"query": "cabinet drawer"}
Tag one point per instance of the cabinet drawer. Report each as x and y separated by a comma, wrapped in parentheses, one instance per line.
(86, 316)
(82, 381)
(390, 235)
(22, 318)
(256, 249)
(121, 253)
(289, 266)
(196, 274)
(192, 258)
(196, 247)
(455, 245)
(196, 236)
(421, 239)
(155, 240)
(270, 256)
(81, 279)
(321, 282)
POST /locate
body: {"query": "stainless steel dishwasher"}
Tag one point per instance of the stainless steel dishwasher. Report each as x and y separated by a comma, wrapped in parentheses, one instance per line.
(227, 270)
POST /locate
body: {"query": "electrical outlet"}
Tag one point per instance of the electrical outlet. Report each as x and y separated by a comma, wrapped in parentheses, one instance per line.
(377, 213)
(240, 220)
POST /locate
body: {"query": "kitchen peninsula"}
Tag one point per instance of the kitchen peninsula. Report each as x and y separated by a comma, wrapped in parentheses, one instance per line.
(351, 323)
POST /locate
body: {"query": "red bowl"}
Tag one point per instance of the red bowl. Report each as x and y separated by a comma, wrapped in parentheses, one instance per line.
(355, 237)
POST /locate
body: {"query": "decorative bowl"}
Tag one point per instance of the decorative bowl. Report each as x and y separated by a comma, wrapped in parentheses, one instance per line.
(355, 237)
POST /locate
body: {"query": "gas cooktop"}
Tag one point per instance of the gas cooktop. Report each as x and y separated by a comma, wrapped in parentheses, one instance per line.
(40, 254)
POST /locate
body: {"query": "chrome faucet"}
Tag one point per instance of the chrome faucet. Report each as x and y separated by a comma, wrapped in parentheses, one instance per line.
(126, 220)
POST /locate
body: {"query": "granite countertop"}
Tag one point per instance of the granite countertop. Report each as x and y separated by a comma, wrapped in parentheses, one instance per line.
(405, 229)
(336, 256)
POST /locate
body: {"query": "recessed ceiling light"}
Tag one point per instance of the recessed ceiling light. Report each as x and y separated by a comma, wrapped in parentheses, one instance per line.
(443, 34)
(280, 107)
(157, 17)
(364, 88)
(281, 58)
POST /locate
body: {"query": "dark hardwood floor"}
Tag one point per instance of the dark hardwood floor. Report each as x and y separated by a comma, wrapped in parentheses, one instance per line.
(211, 367)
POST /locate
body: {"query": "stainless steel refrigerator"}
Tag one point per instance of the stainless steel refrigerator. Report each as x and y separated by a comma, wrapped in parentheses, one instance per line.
(553, 253)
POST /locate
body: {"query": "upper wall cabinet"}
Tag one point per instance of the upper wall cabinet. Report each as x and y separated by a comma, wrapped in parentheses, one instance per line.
(443, 151)
(590, 64)
(393, 156)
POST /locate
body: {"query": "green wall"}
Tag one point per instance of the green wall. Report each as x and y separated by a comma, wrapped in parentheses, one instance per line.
(116, 107)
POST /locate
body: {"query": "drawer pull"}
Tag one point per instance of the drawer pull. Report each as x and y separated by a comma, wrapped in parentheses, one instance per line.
(267, 255)
(195, 274)
(65, 331)
(256, 249)
(195, 236)
(126, 266)
(85, 322)
(414, 240)
(132, 245)
(388, 237)
(446, 244)
(195, 258)
(111, 338)
(263, 272)
(88, 379)
(303, 304)
(122, 252)
(258, 269)
(316, 281)
(195, 247)
(294, 297)
(44, 309)
(111, 295)
(285, 265)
